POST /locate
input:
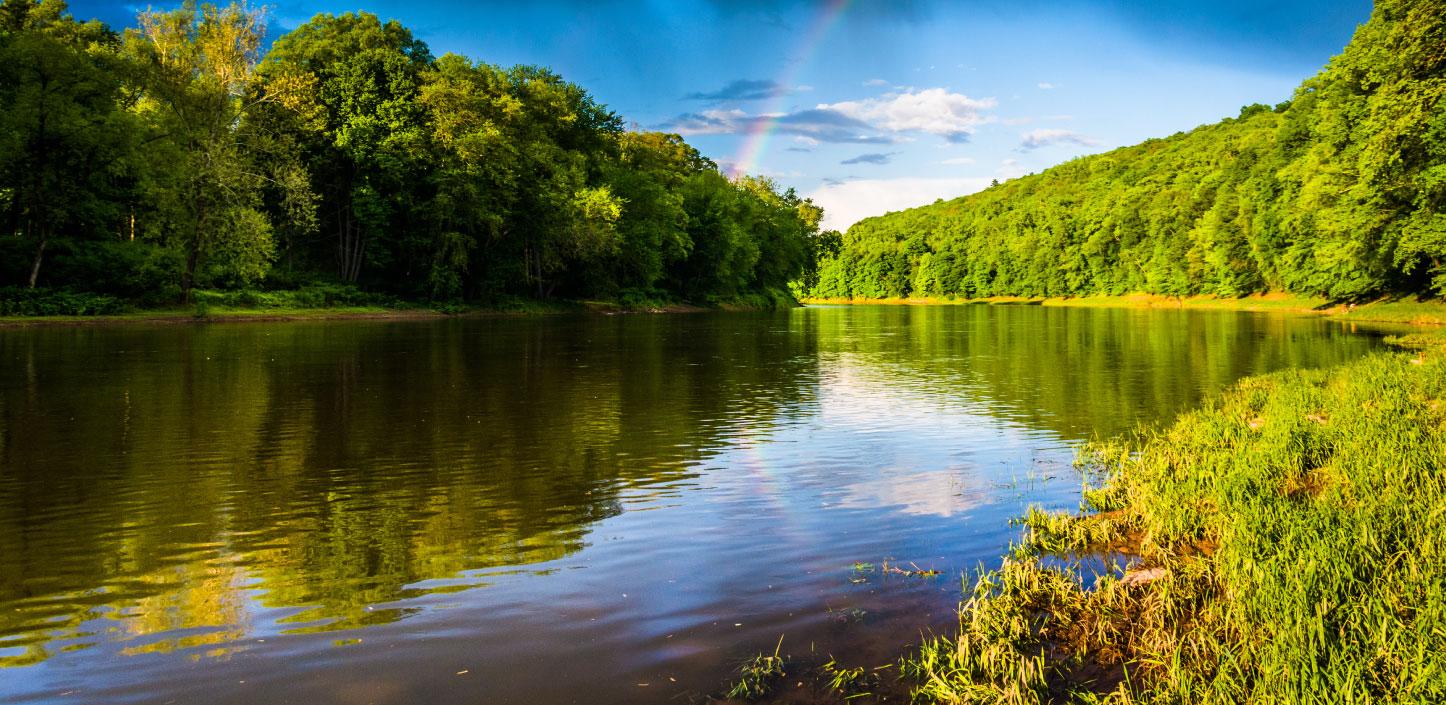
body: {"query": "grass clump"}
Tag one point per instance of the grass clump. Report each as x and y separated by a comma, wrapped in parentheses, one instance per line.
(1289, 545)
(758, 674)
(850, 682)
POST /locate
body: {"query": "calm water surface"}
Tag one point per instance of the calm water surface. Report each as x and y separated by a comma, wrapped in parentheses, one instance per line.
(549, 510)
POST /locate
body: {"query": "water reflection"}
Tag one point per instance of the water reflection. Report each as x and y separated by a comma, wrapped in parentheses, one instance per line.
(196, 492)
(160, 479)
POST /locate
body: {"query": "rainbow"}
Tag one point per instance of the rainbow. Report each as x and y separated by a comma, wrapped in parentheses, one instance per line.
(756, 139)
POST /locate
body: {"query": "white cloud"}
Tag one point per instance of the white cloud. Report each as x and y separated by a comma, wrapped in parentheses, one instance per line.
(958, 161)
(851, 201)
(874, 82)
(936, 111)
(1010, 169)
(818, 125)
(1046, 86)
(1047, 136)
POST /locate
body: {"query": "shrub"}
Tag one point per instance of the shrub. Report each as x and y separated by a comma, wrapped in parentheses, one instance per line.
(315, 296)
(16, 301)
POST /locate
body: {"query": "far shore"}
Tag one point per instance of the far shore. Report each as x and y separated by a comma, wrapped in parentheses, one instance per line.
(219, 314)
(1408, 311)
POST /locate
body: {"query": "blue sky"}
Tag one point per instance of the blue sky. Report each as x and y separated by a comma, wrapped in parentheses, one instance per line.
(872, 106)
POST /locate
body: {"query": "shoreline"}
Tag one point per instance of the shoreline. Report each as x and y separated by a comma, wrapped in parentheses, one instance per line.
(1413, 312)
(1247, 526)
(183, 316)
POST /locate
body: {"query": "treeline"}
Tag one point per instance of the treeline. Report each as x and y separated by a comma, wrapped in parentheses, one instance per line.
(1340, 192)
(175, 155)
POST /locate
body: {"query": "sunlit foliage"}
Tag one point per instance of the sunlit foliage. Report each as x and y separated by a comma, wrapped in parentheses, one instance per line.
(183, 154)
(1340, 192)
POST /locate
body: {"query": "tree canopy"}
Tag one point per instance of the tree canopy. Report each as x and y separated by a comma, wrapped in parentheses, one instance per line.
(1338, 192)
(178, 155)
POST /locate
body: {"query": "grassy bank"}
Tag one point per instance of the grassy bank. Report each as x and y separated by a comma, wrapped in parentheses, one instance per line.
(1408, 310)
(72, 309)
(185, 315)
(1286, 544)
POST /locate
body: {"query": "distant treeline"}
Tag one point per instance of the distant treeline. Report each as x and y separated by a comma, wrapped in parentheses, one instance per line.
(1340, 191)
(176, 155)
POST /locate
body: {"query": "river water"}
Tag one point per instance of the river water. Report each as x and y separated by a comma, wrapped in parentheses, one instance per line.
(585, 509)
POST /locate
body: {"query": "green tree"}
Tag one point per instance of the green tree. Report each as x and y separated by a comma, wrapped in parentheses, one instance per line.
(368, 135)
(64, 139)
(1338, 192)
(197, 66)
(349, 153)
(474, 169)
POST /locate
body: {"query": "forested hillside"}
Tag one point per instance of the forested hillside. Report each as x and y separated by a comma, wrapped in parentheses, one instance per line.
(138, 165)
(1339, 191)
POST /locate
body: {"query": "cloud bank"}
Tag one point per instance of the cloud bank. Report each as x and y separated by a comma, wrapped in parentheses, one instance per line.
(882, 158)
(814, 124)
(848, 202)
(953, 116)
(881, 120)
(1044, 137)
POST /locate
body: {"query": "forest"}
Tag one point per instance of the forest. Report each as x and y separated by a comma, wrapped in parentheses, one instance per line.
(1339, 192)
(343, 163)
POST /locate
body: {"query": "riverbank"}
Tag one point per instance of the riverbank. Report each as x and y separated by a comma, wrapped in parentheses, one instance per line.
(243, 314)
(1403, 310)
(1282, 544)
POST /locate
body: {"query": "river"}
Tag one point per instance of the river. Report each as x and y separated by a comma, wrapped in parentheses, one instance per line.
(559, 509)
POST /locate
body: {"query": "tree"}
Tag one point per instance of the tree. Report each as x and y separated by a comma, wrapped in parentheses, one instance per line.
(368, 135)
(197, 66)
(349, 153)
(63, 135)
(653, 232)
(473, 179)
(1338, 192)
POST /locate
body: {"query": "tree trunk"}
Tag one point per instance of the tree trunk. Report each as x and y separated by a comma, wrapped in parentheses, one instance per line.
(349, 249)
(188, 277)
(41, 166)
(39, 253)
(193, 254)
(358, 249)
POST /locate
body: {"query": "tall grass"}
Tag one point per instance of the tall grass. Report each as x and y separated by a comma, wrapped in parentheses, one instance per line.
(1290, 542)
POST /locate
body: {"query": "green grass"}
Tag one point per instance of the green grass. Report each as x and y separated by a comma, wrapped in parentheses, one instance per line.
(22, 307)
(758, 674)
(1291, 548)
(848, 682)
(215, 313)
(1407, 310)
(1410, 311)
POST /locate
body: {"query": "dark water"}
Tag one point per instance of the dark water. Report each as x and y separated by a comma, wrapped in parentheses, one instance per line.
(549, 510)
